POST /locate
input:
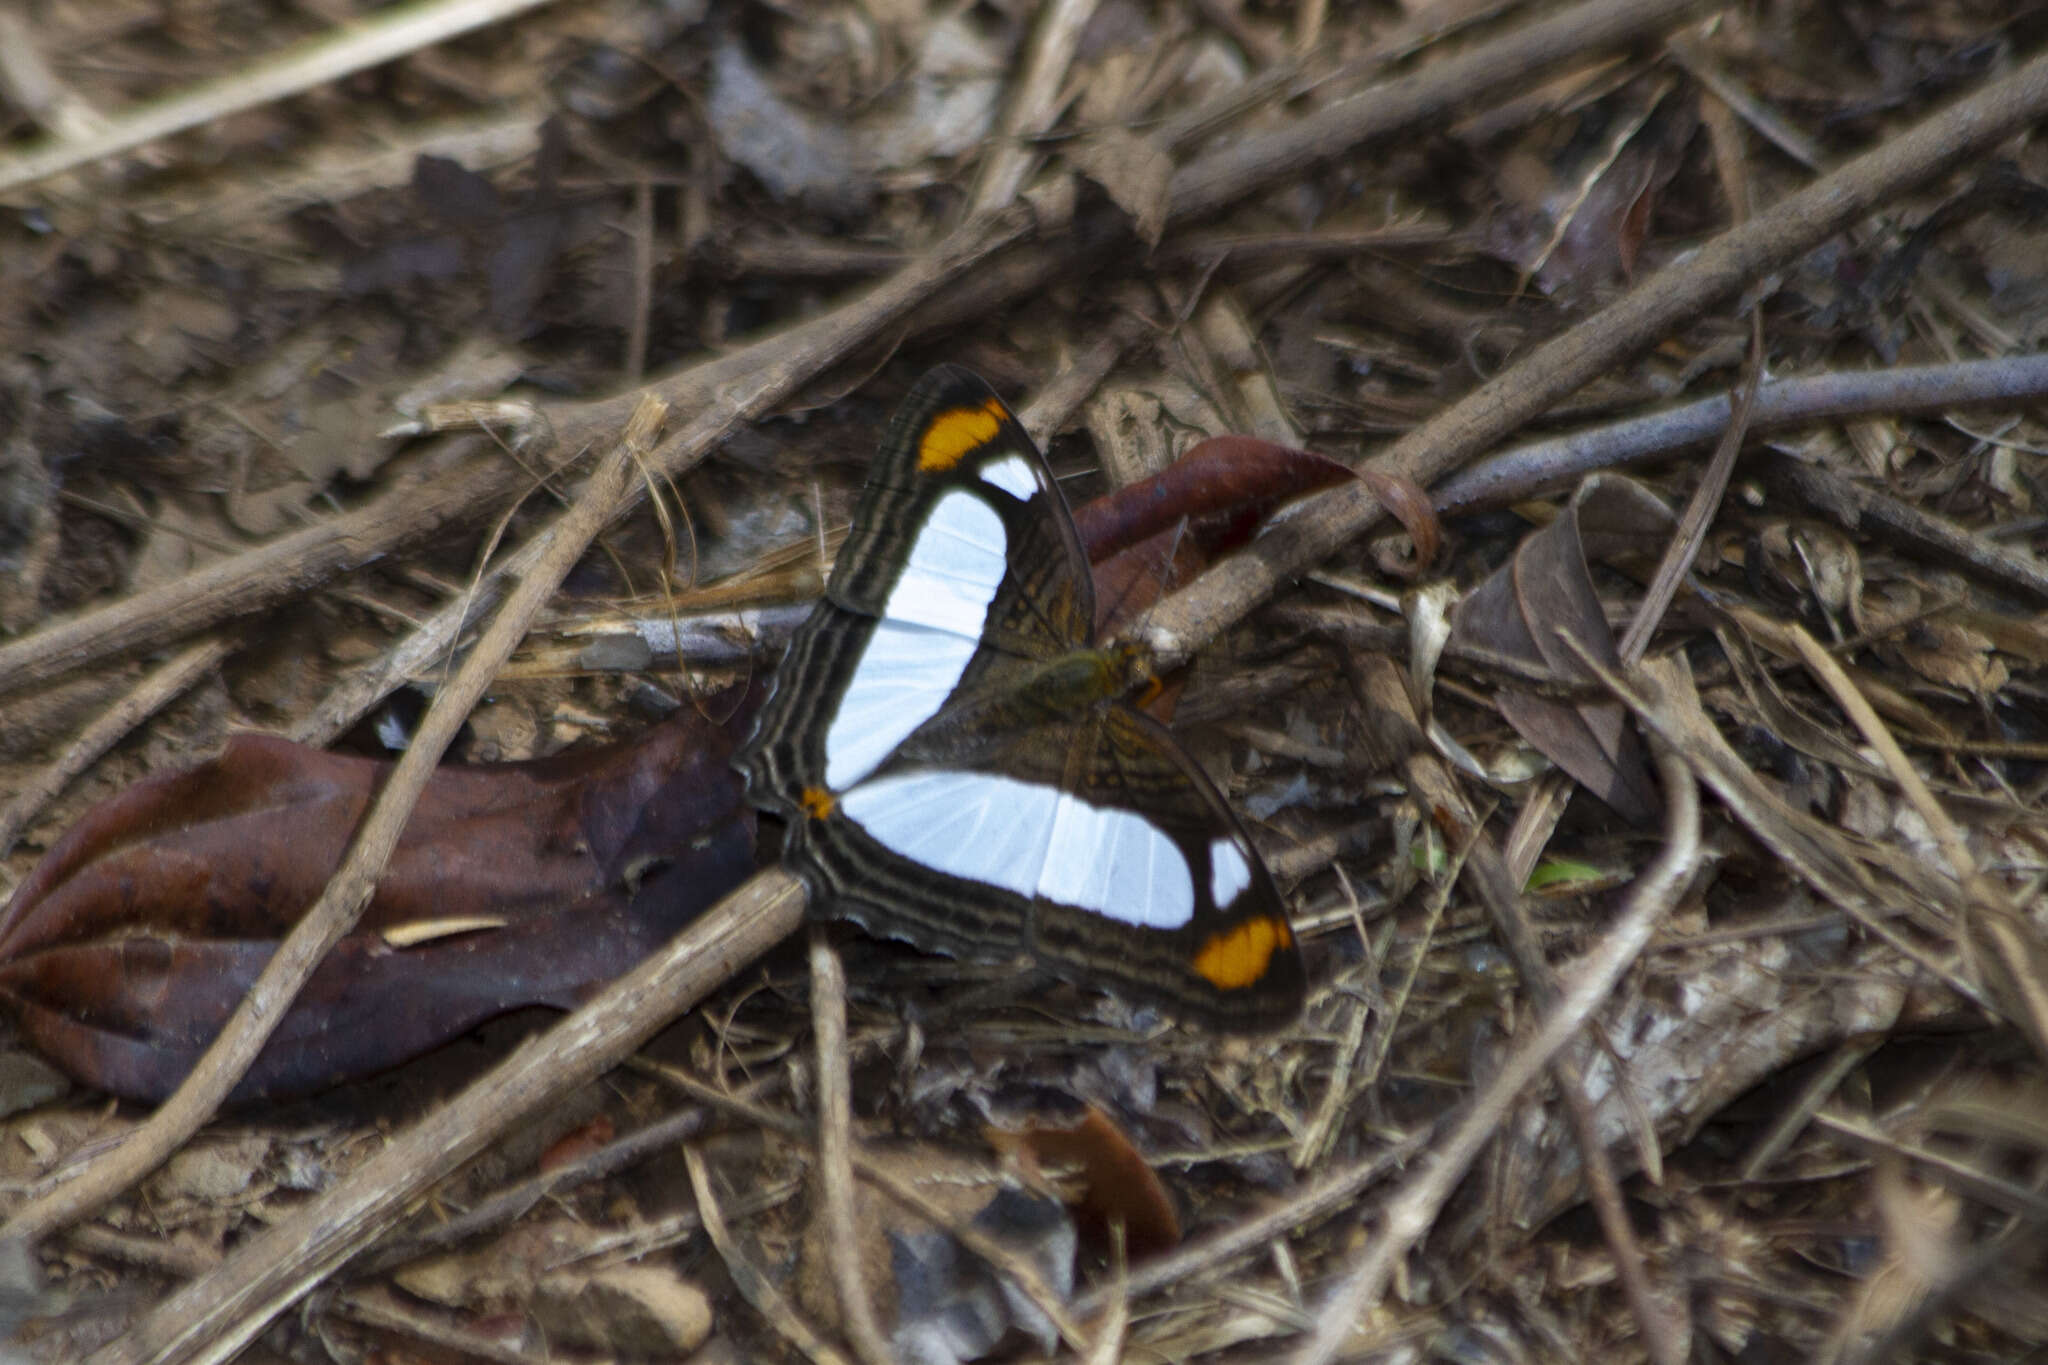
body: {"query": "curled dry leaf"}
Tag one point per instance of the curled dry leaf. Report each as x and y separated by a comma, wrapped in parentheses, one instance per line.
(1148, 537)
(133, 940)
(1409, 503)
(1528, 606)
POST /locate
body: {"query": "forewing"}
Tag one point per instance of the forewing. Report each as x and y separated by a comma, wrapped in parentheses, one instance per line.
(918, 553)
(962, 561)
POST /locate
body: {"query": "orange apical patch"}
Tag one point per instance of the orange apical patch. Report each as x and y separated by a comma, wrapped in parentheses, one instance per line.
(951, 435)
(1239, 956)
(818, 803)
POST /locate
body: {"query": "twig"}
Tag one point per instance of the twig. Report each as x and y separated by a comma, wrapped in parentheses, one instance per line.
(1587, 982)
(154, 691)
(1178, 626)
(835, 1153)
(1577, 35)
(1328, 1196)
(212, 1318)
(1524, 471)
(508, 1204)
(317, 61)
(349, 890)
(384, 1310)
(1898, 525)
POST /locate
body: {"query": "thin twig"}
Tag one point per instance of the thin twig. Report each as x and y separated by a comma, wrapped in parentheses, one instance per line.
(1525, 471)
(510, 1203)
(349, 890)
(835, 1153)
(317, 61)
(155, 691)
(1587, 982)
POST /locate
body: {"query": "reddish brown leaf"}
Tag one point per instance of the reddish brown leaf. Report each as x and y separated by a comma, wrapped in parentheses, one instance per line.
(1235, 476)
(1147, 538)
(1117, 1186)
(576, 1144)
(519, 884)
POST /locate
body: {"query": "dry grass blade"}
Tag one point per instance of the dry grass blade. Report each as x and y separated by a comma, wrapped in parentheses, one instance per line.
(753, 1283)
(320, 61)
(1412, 1209)
(1660, 693)
(1699, 510)
(2017, 956)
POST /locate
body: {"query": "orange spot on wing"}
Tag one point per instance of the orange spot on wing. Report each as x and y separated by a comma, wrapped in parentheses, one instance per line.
(1239, 956)
(817, 802)
(952, 435)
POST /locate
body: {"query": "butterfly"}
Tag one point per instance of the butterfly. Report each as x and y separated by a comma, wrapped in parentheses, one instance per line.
(956, 760)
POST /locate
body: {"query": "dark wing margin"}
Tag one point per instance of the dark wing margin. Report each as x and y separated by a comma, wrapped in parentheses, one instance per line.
(1234, 966)
(950, 428)
(1042, 609)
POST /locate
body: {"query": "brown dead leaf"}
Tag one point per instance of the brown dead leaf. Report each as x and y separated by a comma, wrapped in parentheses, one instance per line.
(137, 935)
(1952, 654)
(1546, 592)
(1147, 537)
(1135, 171)
(1116, 1186)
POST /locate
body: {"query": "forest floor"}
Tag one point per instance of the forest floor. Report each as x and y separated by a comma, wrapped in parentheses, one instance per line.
(1648, 745)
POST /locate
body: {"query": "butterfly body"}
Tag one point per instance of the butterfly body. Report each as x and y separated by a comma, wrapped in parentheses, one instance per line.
(957, 762)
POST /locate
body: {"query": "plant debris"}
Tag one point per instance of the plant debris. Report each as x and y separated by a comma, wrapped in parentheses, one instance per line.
(1667, 1003)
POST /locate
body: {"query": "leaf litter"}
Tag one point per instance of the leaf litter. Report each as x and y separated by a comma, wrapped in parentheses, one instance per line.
(1813, 1101)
